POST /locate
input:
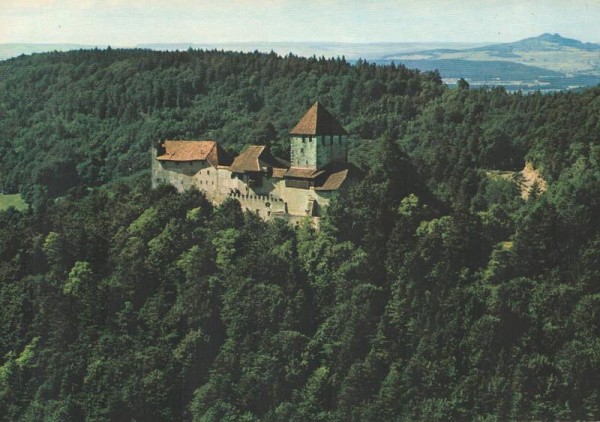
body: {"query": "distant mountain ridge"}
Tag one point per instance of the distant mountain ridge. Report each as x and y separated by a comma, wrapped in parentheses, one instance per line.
(548, 51)
(544, 42)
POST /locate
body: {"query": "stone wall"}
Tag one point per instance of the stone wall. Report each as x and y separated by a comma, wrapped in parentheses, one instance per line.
(303, 151)
(317, 151)
(271, 199)
(332, 148)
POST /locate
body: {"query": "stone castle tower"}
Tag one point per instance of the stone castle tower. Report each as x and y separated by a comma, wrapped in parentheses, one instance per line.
(318, 139)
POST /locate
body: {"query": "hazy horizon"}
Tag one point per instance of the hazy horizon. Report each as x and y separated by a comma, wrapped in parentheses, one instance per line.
(133, 22)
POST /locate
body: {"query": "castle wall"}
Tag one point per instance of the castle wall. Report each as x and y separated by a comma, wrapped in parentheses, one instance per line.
(271, 199)
(281, 200)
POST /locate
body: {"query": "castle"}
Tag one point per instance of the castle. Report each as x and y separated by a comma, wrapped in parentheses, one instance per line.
(261, 182)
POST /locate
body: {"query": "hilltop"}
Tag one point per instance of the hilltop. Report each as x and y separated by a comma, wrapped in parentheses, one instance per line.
(10, 50)
(552, 52)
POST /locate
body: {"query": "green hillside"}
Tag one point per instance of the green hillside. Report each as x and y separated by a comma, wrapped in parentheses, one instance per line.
(431, 291)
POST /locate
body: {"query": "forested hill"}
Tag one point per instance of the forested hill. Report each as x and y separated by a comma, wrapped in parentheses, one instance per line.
(89, 117)
(432, 290)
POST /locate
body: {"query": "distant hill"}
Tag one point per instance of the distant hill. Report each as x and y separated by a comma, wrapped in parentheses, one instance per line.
(547, 51)
(544, 42)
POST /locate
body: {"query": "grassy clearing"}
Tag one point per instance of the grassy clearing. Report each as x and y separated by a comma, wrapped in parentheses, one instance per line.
(14, 200)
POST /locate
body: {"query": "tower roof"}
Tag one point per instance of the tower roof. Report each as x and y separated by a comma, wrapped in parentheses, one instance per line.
(318, 121)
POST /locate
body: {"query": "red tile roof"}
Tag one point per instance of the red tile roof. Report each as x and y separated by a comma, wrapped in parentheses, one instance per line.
(255, 158)
(330, 177)
(334, 180)
(335, 175)
(318, 121)
(278, 173)
(300, 172)
(208, 151)
(303, 172)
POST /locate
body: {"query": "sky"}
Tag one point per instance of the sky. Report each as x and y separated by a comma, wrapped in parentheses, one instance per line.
(132, 22)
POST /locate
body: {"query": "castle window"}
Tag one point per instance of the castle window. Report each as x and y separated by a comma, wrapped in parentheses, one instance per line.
(331, 140)
(301, 150)
(310, 139)
(323, 140)
(339, 140)
(303, 139)
(207, 171)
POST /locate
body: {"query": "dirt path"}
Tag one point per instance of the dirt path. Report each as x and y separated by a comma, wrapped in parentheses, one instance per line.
(529, 176)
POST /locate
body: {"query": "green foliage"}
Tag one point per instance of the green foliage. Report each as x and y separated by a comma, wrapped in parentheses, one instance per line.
(431, 291)
(80, 277)
(16, 201)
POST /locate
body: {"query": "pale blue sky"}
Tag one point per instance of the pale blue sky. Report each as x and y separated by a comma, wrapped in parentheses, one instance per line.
(130, 22)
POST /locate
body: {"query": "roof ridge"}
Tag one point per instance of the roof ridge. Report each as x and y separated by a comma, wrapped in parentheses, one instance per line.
(318, 121)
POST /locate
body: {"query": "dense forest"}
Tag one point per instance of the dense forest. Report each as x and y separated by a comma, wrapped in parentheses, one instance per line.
(431, 291)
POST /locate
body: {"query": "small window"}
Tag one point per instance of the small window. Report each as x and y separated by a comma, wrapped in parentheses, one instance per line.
(323, 140)
(331, 140)
(339, 140)
(303, 139)
(301, 150)
(207, 171)
(310, 139)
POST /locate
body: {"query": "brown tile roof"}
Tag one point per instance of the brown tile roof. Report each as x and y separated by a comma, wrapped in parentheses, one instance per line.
(335, 176)
(333, 181)
(195, 151)
(330, 177)
(219, 157)
(318, 121)
(301, 172)
(278, 173)
(255, 158)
